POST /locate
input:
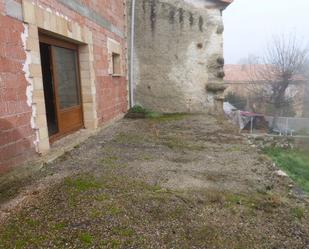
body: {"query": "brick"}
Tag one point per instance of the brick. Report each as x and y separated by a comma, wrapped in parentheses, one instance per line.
(102, 95)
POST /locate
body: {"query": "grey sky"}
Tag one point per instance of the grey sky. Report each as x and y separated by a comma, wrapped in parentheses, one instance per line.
(250, 24)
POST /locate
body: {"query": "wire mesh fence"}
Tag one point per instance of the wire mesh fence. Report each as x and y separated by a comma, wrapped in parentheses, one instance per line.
(290, 126)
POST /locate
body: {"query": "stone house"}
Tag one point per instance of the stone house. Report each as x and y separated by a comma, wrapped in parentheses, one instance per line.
(62, 68)
(177, 48)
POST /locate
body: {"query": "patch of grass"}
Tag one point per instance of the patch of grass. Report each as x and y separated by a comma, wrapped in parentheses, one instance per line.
(166, 117)
(234, 148)
(155, 115)
(86, 238)
(266, 202)
(132, 139)
(110, 161)
(115, 244)
(137, 109)
(295, 163)
(95, 213)
(19, 244)
(177, 142)
(60, 226)
(298, 212)
(115, 211)
(147, 113)
(31, 222)
(123, 231)
(82, 184)
(102, 197)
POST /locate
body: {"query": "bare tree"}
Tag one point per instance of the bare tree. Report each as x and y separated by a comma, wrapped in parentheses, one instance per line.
(306, 91)
(274, 78)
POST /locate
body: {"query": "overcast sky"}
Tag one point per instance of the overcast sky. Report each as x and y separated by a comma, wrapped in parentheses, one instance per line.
(250, 24)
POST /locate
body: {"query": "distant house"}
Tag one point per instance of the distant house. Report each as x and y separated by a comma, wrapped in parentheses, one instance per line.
(245, 80)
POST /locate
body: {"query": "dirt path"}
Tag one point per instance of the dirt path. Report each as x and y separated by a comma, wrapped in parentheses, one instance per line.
(172, 182)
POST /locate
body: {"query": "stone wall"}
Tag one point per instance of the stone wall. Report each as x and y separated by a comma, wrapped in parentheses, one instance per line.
(178, 51)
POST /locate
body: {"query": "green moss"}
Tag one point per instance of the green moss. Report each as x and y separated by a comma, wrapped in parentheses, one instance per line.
(86, 238)
(96, 213)
(110, 161)
(59, 226)
(175, 142)
(298, 212)
(115, 244)
(123, 231)
(137, 109)
(82, 184)
(19, 244)
(166, 117)
(112, 210)
(102, 197)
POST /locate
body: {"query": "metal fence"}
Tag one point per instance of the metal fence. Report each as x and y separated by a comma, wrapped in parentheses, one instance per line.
(290, 126)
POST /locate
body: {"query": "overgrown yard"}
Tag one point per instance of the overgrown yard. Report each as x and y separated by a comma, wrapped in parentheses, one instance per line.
(294, 162)
(176, 181)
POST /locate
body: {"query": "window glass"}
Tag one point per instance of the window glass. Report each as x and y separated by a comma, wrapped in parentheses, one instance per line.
(66, 69)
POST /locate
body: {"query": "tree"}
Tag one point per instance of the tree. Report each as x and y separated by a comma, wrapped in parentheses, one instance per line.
(236, 100)
(274, 78)
(306, 91)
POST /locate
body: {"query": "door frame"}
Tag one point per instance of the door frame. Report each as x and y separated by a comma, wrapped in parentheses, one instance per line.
(43, 38)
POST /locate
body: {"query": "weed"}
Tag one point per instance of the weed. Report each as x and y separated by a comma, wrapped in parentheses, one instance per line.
(114, 211)
(110, 161)
(95, 213)
(123, 231)
(86, 238)
(115, 244)
(31, 222)
(59, 226)
(167, 117)
(298, 212)
(175, 142)
(82, 184)
(102, 197)
(295, 163)
(19, 244)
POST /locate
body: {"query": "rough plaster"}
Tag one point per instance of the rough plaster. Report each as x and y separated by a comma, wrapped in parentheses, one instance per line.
(29, 90)
(177, 48)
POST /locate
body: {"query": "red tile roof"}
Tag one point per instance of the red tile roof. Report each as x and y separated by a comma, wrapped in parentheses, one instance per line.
(249, 73)
(226, 1)
(237, 73)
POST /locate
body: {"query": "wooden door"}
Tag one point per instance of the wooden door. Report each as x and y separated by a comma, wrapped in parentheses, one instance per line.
(65, 71)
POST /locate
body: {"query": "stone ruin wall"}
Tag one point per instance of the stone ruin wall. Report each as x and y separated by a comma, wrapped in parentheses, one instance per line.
(178, 51)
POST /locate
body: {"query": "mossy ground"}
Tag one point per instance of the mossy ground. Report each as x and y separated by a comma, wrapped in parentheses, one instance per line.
(181, 182)
(294, 162)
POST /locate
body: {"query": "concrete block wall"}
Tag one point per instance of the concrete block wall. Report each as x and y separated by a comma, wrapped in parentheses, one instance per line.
(22, 111)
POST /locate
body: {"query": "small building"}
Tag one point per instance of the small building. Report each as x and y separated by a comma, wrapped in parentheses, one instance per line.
(177, 54)
(62, 68)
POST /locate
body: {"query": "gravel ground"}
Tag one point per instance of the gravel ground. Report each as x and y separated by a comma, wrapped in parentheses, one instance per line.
(178, 181)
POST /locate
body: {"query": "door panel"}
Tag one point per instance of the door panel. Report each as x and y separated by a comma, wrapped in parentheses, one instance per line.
(67, 89)
(66, 67)
(61, 80)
